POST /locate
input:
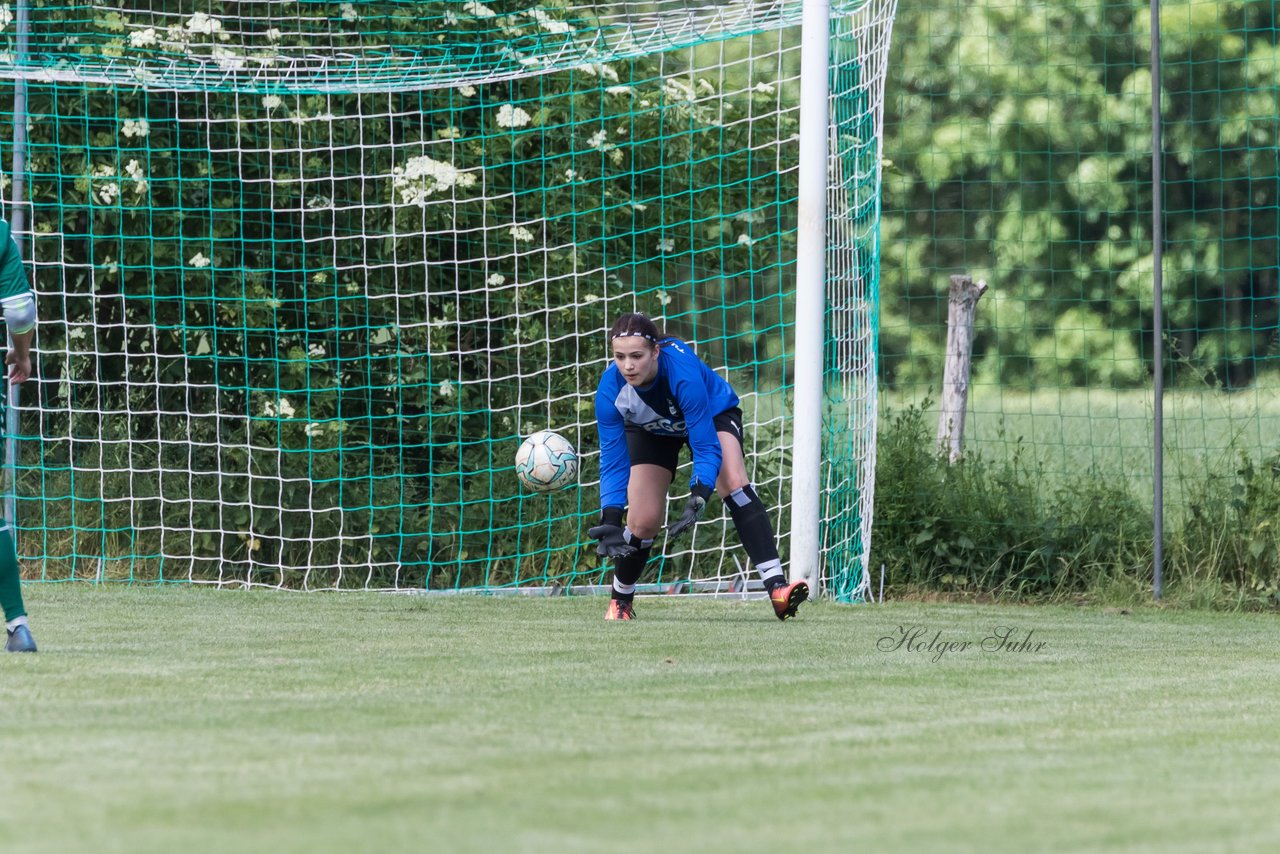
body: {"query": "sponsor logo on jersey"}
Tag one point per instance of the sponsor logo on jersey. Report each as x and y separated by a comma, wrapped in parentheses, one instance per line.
(666, 427)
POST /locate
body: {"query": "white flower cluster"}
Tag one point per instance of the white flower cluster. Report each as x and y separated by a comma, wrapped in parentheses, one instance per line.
(599, 141)
(598, 69)
(685, 97)
(421, 177)
(678, 90)
(227, 59)
(144, 38)
(479, 10)
(198, 31)
(510, 116)
(135, 127)
(549, 23)
(105, 191)
(301, 120)
(199, 260)
(6, 16)
(203, 24)
(134, 170)
(281, 407)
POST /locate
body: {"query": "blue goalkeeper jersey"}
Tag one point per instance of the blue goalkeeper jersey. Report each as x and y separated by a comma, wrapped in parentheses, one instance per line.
(680, 403)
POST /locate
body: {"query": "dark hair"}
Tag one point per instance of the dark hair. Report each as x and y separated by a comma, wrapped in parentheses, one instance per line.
(637, 325)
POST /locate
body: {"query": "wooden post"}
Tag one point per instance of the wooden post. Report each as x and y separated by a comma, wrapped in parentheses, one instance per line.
(962, 305)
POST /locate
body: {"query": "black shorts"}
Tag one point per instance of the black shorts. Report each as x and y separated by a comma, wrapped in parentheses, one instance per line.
(646, 448)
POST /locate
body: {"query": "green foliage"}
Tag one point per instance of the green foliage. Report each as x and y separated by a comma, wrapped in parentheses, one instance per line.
(1010, 529)
(991, 527)
(1020, 144)
(1230, 539)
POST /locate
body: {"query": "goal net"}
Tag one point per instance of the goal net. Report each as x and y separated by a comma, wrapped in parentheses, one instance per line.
(308, 272)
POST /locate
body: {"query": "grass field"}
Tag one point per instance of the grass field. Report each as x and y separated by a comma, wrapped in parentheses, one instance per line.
(193, 720)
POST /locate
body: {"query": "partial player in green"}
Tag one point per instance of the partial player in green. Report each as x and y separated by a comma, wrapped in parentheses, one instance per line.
(19, 308)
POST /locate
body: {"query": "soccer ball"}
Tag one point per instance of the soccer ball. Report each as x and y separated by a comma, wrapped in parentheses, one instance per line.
(546, 461)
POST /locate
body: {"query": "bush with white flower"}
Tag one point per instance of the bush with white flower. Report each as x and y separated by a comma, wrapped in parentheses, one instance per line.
(422, 177)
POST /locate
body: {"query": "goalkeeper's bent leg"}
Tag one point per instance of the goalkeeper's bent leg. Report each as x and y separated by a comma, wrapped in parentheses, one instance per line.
(10, 580)
(626, 570)
(751, 518)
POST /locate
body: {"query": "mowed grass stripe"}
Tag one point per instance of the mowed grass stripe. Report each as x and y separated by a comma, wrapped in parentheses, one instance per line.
(193, 720)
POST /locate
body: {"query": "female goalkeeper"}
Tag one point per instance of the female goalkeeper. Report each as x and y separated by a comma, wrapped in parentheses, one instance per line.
(656, 397)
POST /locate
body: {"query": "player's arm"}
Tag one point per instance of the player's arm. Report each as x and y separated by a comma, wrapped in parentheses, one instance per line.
(691, 394)
(615, 472)
(19, 357)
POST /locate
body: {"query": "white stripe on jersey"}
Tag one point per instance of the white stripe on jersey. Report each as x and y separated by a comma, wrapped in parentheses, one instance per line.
(636, 412)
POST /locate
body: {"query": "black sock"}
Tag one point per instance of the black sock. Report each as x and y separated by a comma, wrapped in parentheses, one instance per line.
(626, 570)
(754, 529)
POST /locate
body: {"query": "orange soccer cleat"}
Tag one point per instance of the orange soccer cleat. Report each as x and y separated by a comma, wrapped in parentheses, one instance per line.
(786, 598)
(619, 610)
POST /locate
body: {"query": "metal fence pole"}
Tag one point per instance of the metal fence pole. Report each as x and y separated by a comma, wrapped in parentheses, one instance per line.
(1157, 311)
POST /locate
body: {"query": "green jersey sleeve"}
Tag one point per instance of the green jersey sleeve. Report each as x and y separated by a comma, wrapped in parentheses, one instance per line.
(13, 273)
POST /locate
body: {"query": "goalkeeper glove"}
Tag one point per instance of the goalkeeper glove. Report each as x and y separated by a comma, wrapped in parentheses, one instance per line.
(609, 532)
(693, 510)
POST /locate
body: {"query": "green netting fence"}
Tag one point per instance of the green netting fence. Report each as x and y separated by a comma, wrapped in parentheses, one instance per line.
(1019, 136)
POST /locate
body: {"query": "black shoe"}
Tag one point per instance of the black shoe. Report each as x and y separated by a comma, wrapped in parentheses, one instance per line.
(20, 640)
